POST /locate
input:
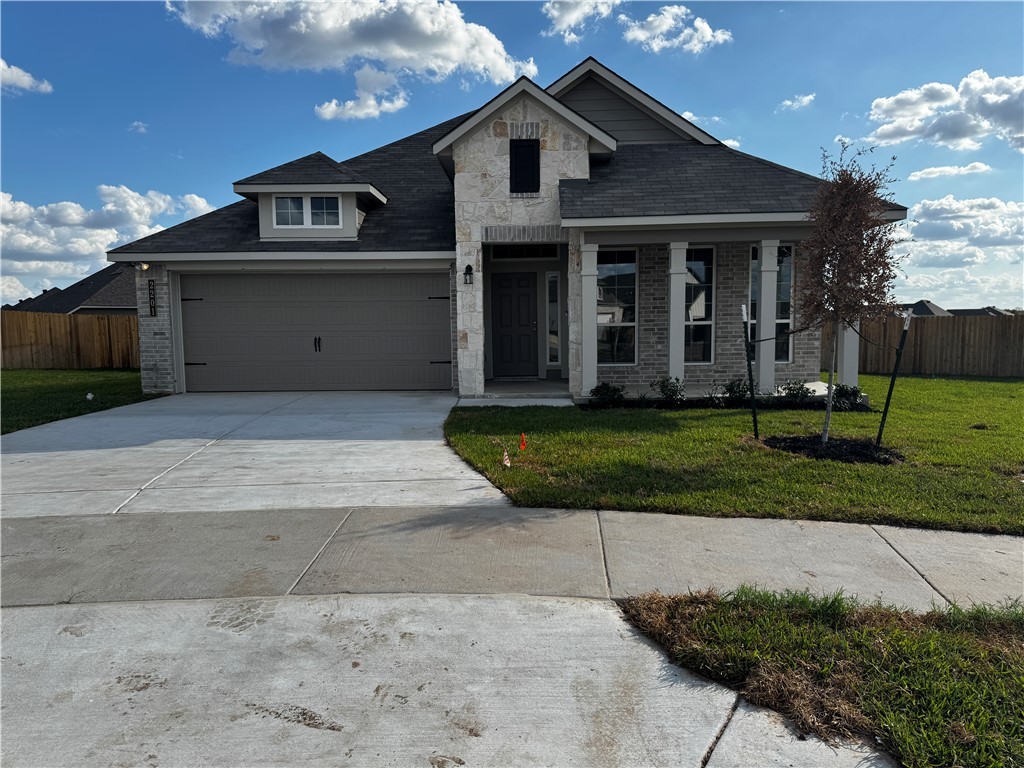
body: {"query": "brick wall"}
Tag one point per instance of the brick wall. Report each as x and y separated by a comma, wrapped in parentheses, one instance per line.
(156, 355)
(731, 289)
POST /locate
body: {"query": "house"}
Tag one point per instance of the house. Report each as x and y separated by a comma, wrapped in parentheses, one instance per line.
(925, 308)
(582, 232)
(982, 312)
(111, 291)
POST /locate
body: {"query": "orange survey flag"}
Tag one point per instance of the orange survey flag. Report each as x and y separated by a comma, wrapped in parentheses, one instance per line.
(522, 441)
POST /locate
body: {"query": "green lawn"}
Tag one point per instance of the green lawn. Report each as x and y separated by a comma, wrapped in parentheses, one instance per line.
(31, 397)
(945, 688)
(962, 439)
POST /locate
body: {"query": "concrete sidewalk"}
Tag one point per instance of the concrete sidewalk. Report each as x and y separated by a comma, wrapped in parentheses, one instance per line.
(225, 638)
(479, 550)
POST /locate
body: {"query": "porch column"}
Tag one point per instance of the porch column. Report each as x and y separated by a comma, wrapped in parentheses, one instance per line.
(470, 319)
(768, 261)
(588, 335)
(849, 356)
(677, 309)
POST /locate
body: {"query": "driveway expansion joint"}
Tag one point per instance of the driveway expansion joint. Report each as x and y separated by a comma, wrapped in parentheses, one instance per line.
(317, 555)
(721, 732)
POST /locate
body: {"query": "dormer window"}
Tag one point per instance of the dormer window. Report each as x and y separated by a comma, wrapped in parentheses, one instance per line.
(524, 166)
(307, 211)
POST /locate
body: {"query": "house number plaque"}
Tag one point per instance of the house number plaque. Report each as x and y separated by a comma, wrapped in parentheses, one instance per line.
(152, 298)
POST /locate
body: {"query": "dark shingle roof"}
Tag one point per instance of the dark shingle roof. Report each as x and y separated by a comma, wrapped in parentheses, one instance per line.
(981, 312)
(686, 179)
(316, 168)
(112, 286)
(419, 215)
(925, 308)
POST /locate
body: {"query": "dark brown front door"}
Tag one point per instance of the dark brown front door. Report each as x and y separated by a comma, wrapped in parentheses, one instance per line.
(514, 323)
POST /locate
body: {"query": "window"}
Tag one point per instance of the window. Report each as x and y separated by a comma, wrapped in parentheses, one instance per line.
(524, 165)
(554, 319)
(700, 290)
(288, 211)
(307, 211)
(324, 212)
(616, 307)
(783, 301)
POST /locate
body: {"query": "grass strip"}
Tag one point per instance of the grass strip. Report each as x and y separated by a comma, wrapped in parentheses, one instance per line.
(32, 397)
(961, 467)
(943, 688)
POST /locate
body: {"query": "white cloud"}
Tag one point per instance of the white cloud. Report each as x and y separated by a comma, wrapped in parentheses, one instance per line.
(962, 287)
(701, 118)
(570, 17)
(423, 38)
(138, 127)
(15, 80)
(61, 242)
(376, 92)
(949, 170)
(797, 102)
(980, 221)
(12, 290)
(670, 28)
(954, 117)
(733, 143)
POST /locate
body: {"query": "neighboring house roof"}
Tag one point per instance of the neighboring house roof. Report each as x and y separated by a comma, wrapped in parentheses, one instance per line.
(982, 312)
(111, 287)
(925, 308)
(419, 215)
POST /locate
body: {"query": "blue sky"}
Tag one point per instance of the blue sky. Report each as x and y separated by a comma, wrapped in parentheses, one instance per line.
(121, 118)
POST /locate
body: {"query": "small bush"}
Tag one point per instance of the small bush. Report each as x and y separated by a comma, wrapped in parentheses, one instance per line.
(608, 394)
(795, 391)
(845, 398)
(671, 388)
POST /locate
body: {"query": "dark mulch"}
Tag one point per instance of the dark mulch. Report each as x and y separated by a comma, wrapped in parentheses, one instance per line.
(836, 449)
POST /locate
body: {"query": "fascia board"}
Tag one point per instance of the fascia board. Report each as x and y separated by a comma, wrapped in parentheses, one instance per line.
(524, 86)
(284, 189)
(323, 256)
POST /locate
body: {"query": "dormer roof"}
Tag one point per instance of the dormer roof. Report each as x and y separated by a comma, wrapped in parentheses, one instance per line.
(313, 173)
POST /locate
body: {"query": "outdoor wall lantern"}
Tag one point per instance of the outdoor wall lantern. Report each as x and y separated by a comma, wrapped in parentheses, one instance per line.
(141, 266)
(467, 276)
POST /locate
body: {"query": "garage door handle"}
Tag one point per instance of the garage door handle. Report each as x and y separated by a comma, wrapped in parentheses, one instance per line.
(440, 362)
(316, 343)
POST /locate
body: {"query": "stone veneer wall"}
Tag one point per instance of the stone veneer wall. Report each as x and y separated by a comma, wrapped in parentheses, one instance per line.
(453, 291)
(483, 202)
(156, 356)
(732, 277)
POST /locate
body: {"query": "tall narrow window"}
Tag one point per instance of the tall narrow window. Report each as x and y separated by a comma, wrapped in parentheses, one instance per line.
(616, 307)
(700, 288)
(554, 319)
(783, 301)
(524, 165)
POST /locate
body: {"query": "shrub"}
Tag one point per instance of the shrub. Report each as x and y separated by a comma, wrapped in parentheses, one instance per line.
(795, 391)
(845, 397)
(671, 388)
(736, 389)
(608, 394)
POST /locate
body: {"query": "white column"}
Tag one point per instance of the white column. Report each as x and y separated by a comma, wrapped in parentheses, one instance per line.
(849, 356)
(768, 261)
(588, 357)
(677, 309)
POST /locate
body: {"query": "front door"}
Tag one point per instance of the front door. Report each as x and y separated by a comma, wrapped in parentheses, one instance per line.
(514, 323)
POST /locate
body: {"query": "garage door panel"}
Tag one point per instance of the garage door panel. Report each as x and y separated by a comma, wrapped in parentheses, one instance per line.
(256, 332)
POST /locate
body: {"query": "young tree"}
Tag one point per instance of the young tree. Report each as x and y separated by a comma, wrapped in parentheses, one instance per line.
(849, 265)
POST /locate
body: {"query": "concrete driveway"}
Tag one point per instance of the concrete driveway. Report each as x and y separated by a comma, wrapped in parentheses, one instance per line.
(242, 451)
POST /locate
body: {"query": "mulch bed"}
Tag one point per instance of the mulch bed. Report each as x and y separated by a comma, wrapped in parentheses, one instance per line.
(836, 449)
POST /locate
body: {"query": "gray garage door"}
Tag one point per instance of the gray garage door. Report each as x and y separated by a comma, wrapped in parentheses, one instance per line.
(317, 331)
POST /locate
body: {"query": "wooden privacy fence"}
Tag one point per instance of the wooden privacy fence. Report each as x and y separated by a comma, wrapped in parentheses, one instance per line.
(44, 340)
(940, 346)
